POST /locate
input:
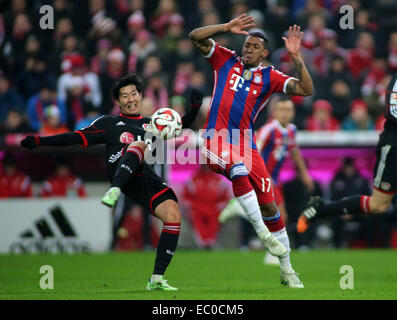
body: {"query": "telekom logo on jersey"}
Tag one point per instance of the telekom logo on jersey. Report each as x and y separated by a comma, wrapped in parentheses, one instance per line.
(235, 81)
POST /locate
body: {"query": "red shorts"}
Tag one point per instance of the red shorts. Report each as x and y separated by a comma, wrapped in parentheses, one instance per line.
(220, 159)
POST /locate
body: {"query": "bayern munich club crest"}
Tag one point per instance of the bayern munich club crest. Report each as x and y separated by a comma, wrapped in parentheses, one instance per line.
(127, 137)
(257, 79)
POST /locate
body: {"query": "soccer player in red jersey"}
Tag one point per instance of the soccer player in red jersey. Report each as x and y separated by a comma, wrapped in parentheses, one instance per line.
(242, 86)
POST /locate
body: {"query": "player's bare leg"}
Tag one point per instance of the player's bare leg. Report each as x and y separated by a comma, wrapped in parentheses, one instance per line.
(272, 217)
(379, 202)
(246, 196)
(169, 214)
(128, 165)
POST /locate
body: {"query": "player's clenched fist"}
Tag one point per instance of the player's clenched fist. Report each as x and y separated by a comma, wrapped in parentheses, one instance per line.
(30, 142)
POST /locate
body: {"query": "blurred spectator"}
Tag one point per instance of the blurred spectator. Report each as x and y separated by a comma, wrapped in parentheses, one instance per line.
(174, 32)
(63, 27)
(36, 105)
(161, 16)
(21, 30)
(206, 194)
(102, 24)
(338, 66)
(63, 183)
(311, 8)
(77, 103)
(182, 77)
(90, 116)
(156, 90)
(322, 118)
(115, 69)
(198, 81)
(135, 23)
(375, 75)
(327, 49)
(91, 80)
(360, 57)
(35, 73)
(152, 66)
(277, 19)
(362, 22)
(346, 182)
(52, 122)
(359, 118)
(340, 97)
(68, 50)
(13, 183)
(99, 61)
(15, 122)
(9, 98)
(140, 49)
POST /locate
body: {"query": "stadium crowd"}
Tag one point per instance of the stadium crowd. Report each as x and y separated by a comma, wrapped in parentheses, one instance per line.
(58, 80)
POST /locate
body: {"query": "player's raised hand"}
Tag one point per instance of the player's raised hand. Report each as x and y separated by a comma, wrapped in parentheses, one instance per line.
(29, 142)
(294, 40)
(196, 98)
(240, 24)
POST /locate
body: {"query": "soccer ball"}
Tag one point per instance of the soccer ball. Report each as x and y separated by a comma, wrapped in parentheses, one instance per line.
(166, 123)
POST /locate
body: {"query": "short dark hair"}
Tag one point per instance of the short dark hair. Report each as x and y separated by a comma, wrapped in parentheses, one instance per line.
(261, 35)
(126, 81)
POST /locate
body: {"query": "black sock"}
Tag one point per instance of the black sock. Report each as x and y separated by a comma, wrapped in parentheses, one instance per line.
(355, 205)
(127, 166)
(166, 247)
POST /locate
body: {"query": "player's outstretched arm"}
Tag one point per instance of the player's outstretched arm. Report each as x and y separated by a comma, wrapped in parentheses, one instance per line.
(196, 99)
(64, 139)
(303, 86)
(201, 36)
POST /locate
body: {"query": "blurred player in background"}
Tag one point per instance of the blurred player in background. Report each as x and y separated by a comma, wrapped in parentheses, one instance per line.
(275, 140)
(385, 174)
(63, 183)
(242, 87)
(124, 138)
(206, 194)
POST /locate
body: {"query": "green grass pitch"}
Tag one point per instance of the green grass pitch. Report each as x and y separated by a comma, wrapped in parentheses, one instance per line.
(209, 275)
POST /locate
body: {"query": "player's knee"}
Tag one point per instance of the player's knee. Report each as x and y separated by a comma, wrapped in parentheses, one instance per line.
(139, 144)
(377, 207)
(169, 212)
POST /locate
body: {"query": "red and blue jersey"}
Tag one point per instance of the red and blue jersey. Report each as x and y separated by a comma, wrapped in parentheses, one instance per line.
(275, 142)
(239, 93)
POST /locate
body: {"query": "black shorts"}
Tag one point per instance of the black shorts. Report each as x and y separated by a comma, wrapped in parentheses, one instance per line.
(385, 171)
(148, 189)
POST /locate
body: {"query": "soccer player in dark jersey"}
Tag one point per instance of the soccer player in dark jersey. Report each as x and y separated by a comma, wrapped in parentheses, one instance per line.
(126, 142)
(242, 87)
(385, 174)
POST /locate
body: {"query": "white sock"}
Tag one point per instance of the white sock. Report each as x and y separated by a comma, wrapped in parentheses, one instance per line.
(250, 205)
(282, 236)
(156, 277)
